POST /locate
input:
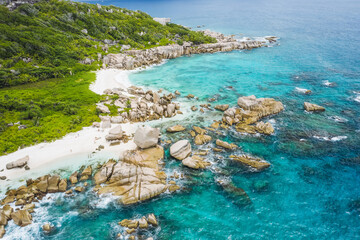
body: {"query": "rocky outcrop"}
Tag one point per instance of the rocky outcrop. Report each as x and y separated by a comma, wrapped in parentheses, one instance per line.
(311, 107)
(250, 111)
(146, 136)
(181, 149)
(176, 128)
(137, 58)
(115, 134)
(136, 178)
(253, 162)
(18, 163)
(195, 162)
(253, 109)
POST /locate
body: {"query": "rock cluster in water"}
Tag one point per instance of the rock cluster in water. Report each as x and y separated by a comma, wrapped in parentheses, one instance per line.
(24, 198)
(132, 59)
(134, 225)
(138, 176)
(246, 116)
(135, 105)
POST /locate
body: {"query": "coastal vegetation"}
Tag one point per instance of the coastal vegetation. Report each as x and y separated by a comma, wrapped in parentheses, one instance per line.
(45, 110)
(49, 39)
(47, 50)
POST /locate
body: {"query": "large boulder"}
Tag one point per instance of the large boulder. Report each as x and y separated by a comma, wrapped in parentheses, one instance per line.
(181, 149)
(195, 162)
(137, 177)
(7, 210)
(62, 185)
(53, 184)
(146, 136)
(18, 163)
(311, 107)
(115, 134)
(21, 218)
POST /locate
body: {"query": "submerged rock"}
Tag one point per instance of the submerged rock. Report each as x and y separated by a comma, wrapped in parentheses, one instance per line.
(310, 107)
(181, 149)
(237, 194)
(146, 136)
(257, 163)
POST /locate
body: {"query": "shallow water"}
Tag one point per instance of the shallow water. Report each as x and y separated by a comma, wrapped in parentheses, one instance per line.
(308, 193)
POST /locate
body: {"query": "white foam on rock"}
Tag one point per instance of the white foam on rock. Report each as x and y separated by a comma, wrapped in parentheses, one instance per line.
(332, 139)
(301, 90)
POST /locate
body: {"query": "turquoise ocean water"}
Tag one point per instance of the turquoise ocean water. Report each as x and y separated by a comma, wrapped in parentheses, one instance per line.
(310, 191)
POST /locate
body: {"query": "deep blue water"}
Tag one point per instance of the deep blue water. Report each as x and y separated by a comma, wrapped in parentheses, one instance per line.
(308, 193)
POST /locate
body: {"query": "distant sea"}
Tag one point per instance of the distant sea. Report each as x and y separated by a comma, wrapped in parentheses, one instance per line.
(312, 190)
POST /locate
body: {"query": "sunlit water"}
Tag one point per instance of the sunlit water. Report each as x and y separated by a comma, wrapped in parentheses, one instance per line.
(309, 192)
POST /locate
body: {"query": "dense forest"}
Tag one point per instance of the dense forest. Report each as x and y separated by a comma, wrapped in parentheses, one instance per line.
(44, 81)
(49, 39)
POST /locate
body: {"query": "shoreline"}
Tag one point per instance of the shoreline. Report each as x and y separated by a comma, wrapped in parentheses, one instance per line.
(83, 144)
(59, 154)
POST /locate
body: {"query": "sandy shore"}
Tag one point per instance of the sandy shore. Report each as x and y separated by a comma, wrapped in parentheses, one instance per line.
(110, 78)
(76, 149)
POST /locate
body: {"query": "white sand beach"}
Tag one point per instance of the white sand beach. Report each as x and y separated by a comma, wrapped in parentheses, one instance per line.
(76, 149)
